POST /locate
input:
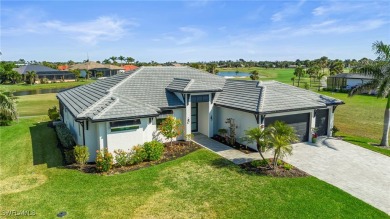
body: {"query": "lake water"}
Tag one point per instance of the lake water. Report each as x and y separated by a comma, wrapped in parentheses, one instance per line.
(41, 91)
(233, 74)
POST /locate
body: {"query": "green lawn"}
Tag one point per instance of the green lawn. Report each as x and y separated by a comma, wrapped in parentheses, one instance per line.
(32, 105)
(200, 185)
(26, 87)
(279, 74)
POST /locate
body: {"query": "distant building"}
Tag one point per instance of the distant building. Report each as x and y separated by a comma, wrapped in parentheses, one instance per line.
(347, 80)
(130, 67)
(63, 67)
(46, 72)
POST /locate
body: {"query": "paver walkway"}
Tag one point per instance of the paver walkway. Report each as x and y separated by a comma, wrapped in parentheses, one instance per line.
(227, 152)
(360, 172)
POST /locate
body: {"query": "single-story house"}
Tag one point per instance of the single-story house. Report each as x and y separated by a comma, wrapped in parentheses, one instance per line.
(106, 69)
(347, 80)
(46, 72)
(124, 110)
(130, 67)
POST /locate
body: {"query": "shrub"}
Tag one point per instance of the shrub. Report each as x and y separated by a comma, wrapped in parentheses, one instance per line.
(334, 131)
(259, 163)
(139, 154)
(154, 150)
(44, 80)
(279, 162)
(53, 113)
(122, 158)
(81, 154)
(65, 137)
(306, 86)
(69, 156)
(104, 160)
(287, 166)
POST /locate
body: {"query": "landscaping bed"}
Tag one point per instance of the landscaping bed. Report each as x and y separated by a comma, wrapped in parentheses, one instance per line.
(283, 169)
(178, 149)
(241, 147)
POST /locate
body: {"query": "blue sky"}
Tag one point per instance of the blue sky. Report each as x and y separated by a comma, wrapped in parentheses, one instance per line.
(192, 30)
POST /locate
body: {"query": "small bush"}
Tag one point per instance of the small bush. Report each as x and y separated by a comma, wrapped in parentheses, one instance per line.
(287, 166)
(334, 131)
(104, 160)
(65, 136)
(259, 163)
(154, 150)
(81, 154)
(306, 86)
(69, 156)
(279, 162)
(53, 113)
(122, 158)
(44, 80)
(139, 155)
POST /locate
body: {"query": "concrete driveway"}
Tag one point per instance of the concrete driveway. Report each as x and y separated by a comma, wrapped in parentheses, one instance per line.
(360, 172)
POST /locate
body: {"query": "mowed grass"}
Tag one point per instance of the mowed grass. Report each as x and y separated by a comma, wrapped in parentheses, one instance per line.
(279, 74)
(360, 119)
(32, 105)
(27, 87)
(199, 185)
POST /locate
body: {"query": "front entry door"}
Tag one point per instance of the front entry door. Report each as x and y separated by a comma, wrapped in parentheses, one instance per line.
(194, 117)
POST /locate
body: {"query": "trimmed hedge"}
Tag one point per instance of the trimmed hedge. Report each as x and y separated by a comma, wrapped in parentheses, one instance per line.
(154, 150)
(65, 136)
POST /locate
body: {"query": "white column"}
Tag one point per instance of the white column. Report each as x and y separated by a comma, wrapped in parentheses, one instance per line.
(210, 117)
(187, 121)
(312, 123)
(102, 135)
(330, 120)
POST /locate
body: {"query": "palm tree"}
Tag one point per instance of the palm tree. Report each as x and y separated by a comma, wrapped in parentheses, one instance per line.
(8, 111)
(106, 61)
(260, 137)
(129, 60)
(380, 71)
(323, 61)
(121, 58)
(299, 72)
(113, 58)
(336, 67)
(31, 75)
(281, 136)
(255, 75)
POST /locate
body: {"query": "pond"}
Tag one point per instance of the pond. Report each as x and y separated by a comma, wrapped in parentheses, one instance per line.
(38, 91)
(230, 74)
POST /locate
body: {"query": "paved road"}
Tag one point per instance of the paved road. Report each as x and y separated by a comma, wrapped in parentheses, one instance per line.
(360, 172)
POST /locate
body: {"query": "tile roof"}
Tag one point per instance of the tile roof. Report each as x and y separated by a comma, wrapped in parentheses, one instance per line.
(36, 68)
(270, 97)
(148, 90)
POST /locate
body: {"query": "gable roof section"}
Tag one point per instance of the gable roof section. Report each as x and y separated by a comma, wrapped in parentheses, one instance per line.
(242, 95)
(148, 84)
(270, 97)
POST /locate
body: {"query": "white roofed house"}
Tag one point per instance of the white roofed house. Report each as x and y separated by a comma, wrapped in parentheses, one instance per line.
(124, 110)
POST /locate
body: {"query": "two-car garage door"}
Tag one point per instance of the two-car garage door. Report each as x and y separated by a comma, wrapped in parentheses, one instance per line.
(300, 122)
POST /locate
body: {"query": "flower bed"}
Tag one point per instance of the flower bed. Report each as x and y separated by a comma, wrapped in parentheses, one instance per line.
(178, 149)
(241, 147)
(283, 169)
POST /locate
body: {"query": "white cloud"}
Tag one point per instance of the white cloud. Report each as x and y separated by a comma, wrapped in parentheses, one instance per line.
(340, 7)
(91, 32)
(288, 10)
(185, 35)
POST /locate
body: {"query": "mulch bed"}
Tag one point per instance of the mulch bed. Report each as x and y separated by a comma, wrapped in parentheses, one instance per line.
(277, 172)
(241, 147)
(178, 149)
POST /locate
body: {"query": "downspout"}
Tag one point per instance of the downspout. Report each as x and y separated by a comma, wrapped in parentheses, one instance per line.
(82, 125)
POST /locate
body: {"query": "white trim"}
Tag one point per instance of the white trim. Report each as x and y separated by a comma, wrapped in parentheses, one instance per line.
(288, 113)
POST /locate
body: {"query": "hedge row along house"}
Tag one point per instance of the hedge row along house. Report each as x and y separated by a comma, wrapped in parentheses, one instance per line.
(124, 110)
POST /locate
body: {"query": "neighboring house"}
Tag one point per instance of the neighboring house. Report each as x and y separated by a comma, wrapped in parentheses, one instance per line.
(124, 110)
(94, 68)
(347, 80)
(130, 67)
(63, 67)
(46, 72)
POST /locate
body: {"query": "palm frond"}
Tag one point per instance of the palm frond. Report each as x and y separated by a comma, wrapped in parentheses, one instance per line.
(382, 50)
(366, 86)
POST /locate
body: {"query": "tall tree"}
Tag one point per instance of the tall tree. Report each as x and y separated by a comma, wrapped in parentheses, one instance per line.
(323, 62)
(299, 72)
(113, 58)
(380, 71)
(129, 60)
(336, 67)
(8, 111)
(121, 58)
(106, 61)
